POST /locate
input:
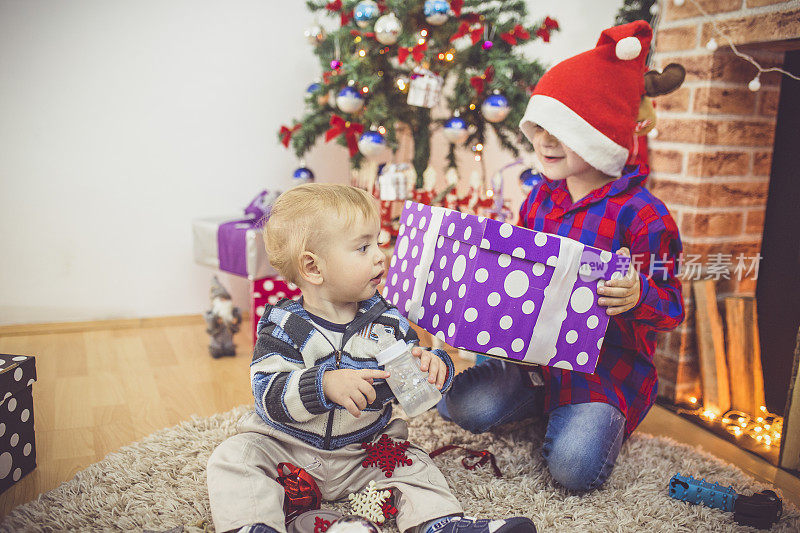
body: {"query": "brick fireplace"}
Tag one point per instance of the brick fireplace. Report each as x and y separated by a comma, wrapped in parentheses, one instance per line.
(712, 156)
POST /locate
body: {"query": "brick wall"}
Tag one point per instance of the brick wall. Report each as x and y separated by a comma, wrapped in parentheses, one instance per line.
(712, 155)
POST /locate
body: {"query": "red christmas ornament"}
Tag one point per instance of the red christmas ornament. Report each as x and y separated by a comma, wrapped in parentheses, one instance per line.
(302, 493)
(386, 454)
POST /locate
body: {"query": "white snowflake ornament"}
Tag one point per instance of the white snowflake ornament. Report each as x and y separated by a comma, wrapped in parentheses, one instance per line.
(369, 503)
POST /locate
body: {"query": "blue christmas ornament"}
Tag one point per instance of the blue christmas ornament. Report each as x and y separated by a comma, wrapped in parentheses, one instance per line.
(495, 108)
(313, 87)
(302, 175)
(349, 100)
(456, 130)
(529, 179)
(364, 12)
(371, 144)
(436, 11)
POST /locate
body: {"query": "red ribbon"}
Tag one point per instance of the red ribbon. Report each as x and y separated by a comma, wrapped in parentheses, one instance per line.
(351, 131)
(550, 24)
(417, 52)
(480, 82)
(482, 457)
(464, 29)
(302, 492)
(456, 6)
(286, 134)
(518, 33)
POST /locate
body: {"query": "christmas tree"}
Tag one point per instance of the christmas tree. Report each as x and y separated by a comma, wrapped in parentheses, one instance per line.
(387, 62)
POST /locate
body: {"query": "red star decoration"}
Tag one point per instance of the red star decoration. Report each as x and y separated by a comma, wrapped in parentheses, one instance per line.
(386, 454)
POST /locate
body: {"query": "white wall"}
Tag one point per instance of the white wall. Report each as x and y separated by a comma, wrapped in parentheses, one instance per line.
(121, 121)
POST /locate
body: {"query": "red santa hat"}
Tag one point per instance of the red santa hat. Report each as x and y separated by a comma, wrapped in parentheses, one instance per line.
(590, 101)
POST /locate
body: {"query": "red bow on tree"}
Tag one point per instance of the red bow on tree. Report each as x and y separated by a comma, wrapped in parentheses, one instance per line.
(550, 24)
(480, 82)
(464, 29)
(351, 131)
(544, 31)
(286, 134)
(302, 493)
(456, 6)
(518, 33)
(417, 52)
(336, 6)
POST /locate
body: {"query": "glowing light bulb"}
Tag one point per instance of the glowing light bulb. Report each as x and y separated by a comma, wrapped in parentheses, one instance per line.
(489, 193)
(424, 33)
(421, 41)
(692, 400)
(382, 130)
(712, 45)
(449, 56)
(678, 3)
(755, 85)
(365, 90)
(479, 147)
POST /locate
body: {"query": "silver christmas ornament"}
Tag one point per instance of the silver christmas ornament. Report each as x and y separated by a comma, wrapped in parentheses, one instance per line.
(387, 29)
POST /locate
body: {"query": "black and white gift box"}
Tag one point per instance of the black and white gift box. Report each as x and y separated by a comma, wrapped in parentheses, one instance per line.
(17, 445)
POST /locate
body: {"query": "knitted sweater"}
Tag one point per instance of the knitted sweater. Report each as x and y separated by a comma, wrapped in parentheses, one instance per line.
(291, 356)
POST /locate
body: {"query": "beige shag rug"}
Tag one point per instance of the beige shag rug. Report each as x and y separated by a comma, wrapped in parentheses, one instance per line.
(159, 483)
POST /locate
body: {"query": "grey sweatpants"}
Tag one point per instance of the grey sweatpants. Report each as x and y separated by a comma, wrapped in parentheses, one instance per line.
(243, 468)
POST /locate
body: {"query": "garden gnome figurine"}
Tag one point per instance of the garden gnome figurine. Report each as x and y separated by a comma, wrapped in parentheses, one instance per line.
(222, 321)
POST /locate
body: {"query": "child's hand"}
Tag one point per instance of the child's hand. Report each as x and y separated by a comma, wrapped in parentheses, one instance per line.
(437, 370)
(620, 294)
(352, 389)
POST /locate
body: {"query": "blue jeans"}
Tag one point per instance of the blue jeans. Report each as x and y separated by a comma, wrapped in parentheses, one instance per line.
(581, 442)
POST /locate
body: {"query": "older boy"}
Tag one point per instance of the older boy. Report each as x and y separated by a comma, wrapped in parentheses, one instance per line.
(319, 392)
(581, 120)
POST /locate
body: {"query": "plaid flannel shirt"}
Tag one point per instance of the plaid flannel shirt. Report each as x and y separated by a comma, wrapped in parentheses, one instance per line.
(620, 214)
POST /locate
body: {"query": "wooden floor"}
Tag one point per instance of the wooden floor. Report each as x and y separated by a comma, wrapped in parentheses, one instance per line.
(103, 385)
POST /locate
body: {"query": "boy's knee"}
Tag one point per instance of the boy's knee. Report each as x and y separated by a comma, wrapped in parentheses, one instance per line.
(576, 467)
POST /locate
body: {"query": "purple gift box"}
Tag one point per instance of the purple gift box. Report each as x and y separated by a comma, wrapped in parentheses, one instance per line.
(499, 289)
(234, 244)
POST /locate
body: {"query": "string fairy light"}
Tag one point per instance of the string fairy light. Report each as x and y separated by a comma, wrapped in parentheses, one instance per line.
(765, 429)
(712, 45)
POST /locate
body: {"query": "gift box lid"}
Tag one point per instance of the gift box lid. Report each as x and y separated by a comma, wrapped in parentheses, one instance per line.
(16, 372)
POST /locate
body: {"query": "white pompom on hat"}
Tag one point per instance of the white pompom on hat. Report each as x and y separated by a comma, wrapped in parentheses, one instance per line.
(590, 101)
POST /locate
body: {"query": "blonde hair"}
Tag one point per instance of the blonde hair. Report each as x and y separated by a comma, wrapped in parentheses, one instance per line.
(300, 217)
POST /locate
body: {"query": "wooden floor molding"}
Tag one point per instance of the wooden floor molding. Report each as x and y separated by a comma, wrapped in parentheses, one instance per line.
(104, 384)
(94, 325)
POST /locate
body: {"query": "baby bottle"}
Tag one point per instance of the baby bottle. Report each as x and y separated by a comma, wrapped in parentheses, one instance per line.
(409, 384)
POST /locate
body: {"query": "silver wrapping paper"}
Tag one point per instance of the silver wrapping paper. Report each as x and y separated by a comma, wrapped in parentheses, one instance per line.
(206, 252)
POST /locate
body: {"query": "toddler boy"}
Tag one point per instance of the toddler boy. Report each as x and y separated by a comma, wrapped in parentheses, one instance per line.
(319, 392)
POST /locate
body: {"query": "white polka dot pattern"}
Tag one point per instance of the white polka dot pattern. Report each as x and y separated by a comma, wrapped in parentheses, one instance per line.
(486, 287)
(16, 411)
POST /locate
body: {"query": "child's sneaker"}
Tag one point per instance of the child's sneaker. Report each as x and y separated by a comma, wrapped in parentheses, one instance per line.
(467, 524)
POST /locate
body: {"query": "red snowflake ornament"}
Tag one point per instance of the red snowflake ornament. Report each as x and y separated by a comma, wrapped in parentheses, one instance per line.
(386, 454)
(321, 525)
